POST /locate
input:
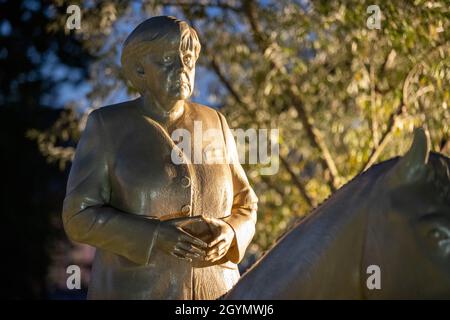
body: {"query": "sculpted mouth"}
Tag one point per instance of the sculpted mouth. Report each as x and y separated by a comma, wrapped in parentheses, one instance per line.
(182, 79)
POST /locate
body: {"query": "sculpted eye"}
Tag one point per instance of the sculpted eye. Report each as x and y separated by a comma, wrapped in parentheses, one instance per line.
(438, 235)
(167, 59)
(434, 230)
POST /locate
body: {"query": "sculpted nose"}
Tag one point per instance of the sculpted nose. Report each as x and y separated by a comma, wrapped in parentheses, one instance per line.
(179, 66)
(178, 69)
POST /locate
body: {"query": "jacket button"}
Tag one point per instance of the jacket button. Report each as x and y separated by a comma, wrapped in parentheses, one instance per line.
(185, 182)
(186, 209)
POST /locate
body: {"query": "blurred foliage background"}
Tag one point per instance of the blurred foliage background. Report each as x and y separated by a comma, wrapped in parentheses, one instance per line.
(342, 95)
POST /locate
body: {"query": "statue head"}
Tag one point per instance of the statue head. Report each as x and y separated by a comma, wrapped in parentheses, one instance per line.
(159, 57)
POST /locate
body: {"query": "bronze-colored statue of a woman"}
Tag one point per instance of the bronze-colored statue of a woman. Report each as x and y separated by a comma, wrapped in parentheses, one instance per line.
(163, 229)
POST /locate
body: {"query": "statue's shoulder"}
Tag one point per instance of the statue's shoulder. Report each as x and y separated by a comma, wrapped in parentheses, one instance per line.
(202, 111)
(116, 112)
(114, 117)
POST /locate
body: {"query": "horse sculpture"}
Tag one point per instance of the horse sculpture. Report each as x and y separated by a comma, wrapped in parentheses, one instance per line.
(395, 216)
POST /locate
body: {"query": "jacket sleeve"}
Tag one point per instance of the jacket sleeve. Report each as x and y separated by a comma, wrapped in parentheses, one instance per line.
(243, 212)
(87, 218)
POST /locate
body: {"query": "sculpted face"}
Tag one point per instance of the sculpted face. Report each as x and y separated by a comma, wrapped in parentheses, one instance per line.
(168, 70)
(158, 58)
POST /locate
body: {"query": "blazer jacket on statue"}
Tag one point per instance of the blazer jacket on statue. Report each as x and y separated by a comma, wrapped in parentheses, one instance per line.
(123, 180)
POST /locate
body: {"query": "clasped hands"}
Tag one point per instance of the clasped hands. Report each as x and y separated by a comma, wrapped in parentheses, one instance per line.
(199, 238)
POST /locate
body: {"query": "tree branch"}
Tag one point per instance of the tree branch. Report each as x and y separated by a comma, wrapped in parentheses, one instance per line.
(373, 115)
(401, 109)
(186, 4)
(240, 101)
(376, 151)
(298, 183)
(312, 132)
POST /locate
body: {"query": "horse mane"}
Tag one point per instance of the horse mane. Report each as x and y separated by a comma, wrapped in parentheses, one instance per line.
(373, 172)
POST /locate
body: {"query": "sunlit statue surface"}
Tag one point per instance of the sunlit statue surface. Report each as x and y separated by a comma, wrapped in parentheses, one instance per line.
(163, 229)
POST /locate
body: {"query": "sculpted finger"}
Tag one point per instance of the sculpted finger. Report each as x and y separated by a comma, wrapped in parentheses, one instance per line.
(217, 246)
(186, 237)
(211, 255)
(218, 252)
(216, 241)
(186, 253)
(219, 255)
(191, 249)
(180, 255)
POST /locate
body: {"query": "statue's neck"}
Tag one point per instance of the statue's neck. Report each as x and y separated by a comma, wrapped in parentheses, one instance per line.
(165, 115)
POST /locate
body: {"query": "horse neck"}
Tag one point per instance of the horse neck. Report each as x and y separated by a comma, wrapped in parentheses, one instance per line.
(322, 256)
(330, 245)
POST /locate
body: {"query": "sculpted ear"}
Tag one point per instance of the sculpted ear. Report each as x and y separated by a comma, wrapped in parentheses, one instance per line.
(133, 70)
(411, 165)
(139, 70)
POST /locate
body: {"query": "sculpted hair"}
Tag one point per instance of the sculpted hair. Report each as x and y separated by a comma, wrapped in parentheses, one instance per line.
(147, 34)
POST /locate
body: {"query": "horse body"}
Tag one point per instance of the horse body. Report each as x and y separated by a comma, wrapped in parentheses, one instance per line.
(394, 216)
